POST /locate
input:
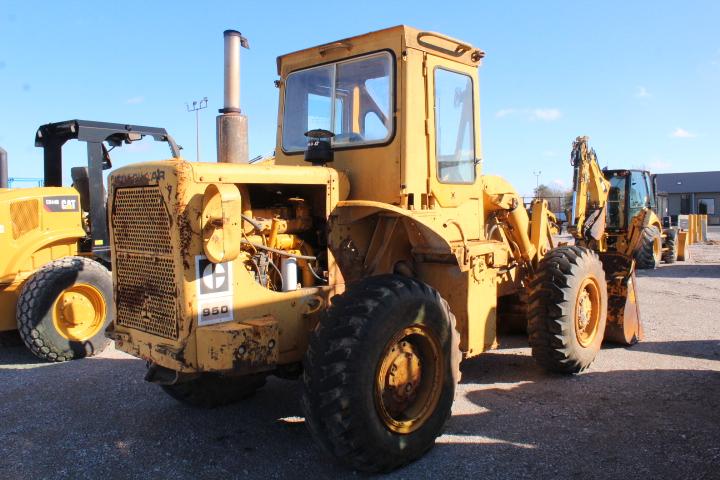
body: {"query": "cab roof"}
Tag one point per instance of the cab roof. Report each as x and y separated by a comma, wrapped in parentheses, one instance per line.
(396, 38)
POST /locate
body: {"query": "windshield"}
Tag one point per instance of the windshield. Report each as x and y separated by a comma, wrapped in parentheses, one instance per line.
(360, 111)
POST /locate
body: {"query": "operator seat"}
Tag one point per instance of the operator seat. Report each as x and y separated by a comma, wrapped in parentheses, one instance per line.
(81, 183)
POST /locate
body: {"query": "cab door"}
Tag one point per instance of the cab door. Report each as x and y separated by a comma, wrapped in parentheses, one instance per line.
(453, 127)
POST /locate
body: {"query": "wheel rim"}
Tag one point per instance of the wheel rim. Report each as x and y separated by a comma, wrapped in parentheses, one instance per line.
(79, 312)
(587, 311)
(657, 249)
(409, 379)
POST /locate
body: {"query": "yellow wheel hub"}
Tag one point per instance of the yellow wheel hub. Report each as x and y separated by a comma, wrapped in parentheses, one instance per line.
(409, 380)
(79, 312)
(587, 311)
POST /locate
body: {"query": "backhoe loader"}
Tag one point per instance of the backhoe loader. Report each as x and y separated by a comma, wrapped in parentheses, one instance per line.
(367, 257)
(55, 289)
(626, 201)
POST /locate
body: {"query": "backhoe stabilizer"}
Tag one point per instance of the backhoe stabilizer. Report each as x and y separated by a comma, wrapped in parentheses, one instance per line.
(623, 315)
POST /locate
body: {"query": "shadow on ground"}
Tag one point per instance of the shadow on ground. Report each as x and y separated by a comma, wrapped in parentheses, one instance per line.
(680, 270)
(702, 349)
(18, 354)
(97, 418)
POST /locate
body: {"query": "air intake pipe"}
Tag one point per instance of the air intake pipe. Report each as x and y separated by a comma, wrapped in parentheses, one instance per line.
(3, 168)
(232, 128)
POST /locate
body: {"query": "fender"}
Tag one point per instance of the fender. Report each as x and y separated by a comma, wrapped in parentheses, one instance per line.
(428, 233)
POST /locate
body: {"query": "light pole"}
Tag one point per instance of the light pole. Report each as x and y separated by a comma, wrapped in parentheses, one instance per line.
(197, 105)
(537, 181)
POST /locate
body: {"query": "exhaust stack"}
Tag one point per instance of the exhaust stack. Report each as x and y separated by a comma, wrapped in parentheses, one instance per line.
(3, 168)
(232, 129)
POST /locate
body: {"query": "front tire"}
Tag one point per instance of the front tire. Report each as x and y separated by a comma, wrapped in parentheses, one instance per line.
(649, 252)
(63, 309)
(568, 310)
(380, 373)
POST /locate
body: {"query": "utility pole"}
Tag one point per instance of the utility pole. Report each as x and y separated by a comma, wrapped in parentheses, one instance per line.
(537, 174)
(197, 105)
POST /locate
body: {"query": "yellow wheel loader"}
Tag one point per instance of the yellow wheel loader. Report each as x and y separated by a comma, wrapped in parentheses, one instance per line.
(367, 258)
(55, 289)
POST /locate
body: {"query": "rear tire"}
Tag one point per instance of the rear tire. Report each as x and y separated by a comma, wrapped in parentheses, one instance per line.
(213, 390)
(380, 373)
(568, 310)
(649, 252)
(63, 309)
(670, 254)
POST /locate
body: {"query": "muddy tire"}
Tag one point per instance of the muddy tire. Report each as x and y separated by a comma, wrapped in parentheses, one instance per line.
(568, 310)
(380, 373)
(670, 253)
(649, 252)
(212, 390)
(63, 309)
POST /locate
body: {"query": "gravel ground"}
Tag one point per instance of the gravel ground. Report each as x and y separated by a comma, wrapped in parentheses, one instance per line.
(650, 411)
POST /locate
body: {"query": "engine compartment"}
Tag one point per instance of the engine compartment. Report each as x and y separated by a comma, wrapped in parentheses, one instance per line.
(284, 243)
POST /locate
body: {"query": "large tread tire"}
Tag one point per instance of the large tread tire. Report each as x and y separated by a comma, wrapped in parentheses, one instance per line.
(555, 290)
(645, 256)
(342, 365)
(670, 253)
(35, 308)
(212, 390)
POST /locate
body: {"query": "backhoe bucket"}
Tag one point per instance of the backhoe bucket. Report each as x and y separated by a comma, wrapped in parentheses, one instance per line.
(623, 317)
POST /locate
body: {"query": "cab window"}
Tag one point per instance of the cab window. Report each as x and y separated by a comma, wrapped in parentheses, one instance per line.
(353, 99)
(454, 127)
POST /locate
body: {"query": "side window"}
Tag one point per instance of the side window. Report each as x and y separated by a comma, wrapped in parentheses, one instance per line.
(616, 202)
(454, 127)
(651, 190)
(639, 196)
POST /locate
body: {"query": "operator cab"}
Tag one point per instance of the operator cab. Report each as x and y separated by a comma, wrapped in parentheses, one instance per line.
(400, 110)
(630, 192)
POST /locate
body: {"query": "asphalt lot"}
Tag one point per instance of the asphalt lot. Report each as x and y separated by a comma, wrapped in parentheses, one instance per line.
(650, 411)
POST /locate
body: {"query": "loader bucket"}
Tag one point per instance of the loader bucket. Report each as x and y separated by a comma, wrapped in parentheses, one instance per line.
(623, 317)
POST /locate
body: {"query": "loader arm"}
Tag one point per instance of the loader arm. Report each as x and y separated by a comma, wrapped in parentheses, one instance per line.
(590, 195)
(588, 225)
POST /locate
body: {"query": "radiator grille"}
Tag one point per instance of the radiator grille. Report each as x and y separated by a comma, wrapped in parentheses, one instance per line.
(141, 222)
(146, 296)
(24, 215)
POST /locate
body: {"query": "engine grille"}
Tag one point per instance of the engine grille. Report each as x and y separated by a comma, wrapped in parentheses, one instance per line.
(141, 222)
(24, 215)
(146, 295)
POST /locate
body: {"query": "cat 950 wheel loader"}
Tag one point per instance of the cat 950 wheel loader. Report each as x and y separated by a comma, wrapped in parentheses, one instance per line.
(367, 257)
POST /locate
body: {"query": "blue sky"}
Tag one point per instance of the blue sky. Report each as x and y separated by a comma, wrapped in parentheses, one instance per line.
(642, 78)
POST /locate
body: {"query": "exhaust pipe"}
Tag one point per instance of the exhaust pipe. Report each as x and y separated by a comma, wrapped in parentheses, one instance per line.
(3, 168)
(232, 128)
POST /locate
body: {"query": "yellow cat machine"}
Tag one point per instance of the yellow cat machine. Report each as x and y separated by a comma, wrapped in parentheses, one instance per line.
(368, 257)
(55, 288)
(620, 204)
